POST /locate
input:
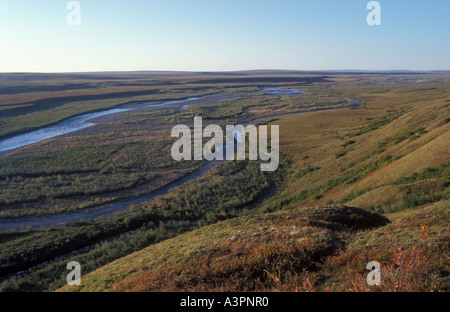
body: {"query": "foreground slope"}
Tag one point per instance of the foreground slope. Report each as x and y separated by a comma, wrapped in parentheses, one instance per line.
(240, 254)
(293, 250)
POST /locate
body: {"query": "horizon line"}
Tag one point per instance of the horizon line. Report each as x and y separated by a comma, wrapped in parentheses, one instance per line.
(235, 71)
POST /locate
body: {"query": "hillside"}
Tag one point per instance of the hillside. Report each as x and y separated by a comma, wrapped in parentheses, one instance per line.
(301, 249)
(368, 184)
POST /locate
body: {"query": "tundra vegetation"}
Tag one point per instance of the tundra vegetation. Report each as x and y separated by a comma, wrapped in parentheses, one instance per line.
(355, 184)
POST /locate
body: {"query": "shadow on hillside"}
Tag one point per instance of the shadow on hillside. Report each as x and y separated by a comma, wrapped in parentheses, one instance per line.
(349, 217)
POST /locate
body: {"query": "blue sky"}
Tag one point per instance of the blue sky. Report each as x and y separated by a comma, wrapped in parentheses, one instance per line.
(213, 35)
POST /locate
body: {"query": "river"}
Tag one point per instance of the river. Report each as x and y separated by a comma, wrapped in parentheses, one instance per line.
(105, 210)
(73, 124)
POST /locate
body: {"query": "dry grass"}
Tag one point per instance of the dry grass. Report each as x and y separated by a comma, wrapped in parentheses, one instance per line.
(314, 140)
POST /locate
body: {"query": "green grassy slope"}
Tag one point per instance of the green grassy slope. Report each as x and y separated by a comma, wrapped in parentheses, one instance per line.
(291, 250)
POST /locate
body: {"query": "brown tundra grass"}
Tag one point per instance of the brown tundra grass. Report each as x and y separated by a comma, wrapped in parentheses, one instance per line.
(403, 274)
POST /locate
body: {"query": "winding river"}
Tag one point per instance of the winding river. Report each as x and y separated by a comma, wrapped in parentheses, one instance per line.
(105, 210)
(73, 124)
